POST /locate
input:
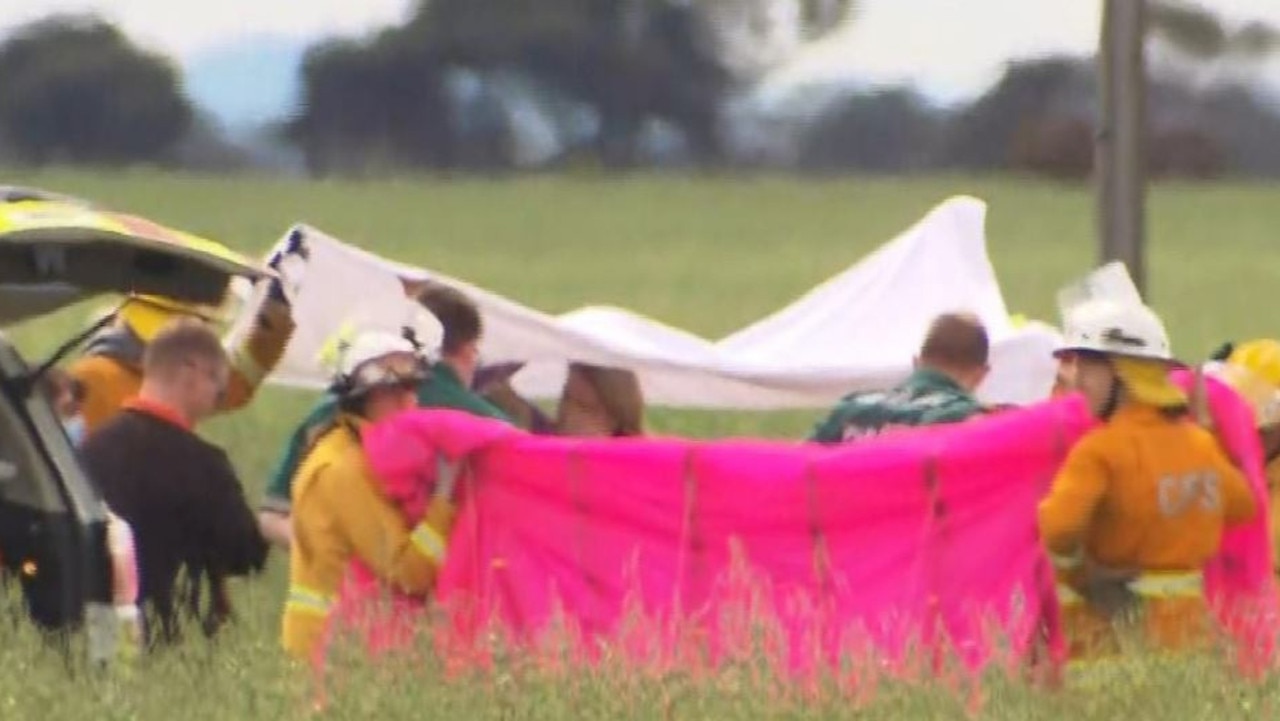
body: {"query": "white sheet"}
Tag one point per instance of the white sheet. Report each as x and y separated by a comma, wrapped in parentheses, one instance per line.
(858, 330)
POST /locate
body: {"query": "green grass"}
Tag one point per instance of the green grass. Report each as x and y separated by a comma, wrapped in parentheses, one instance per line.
(705, 254)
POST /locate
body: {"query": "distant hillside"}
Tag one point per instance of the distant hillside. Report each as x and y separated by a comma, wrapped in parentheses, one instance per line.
(248, 82)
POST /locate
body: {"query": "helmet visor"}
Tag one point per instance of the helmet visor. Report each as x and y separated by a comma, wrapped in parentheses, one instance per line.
(394, 369)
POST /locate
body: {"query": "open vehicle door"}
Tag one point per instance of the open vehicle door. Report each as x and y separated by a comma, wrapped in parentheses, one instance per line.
(55, 251)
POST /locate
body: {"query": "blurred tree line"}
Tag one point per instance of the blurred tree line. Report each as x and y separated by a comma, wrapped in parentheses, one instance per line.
(75, 90)
(623, 64)
(505, 84)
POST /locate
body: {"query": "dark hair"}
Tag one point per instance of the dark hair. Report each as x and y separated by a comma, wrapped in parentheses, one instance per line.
(354, 405)
(956, 340)
(78, 391)
(456, 312)
(358, 404)
(55, 381)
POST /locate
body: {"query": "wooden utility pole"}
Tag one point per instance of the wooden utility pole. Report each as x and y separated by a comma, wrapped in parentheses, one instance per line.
(1121, 141)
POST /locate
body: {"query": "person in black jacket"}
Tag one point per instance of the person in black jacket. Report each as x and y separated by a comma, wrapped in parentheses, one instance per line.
(179, 492)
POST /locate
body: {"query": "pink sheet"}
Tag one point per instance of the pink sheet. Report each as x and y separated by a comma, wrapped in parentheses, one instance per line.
(1240, 582)
(908, 549)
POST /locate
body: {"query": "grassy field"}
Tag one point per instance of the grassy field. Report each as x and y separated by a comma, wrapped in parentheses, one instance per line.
(706, 254)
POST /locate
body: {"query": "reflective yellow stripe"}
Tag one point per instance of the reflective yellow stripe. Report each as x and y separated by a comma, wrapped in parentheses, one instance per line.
(1067, 595)
(427, 540)
(1168, 585)
(1066, 563)
(1148, 585)
(243, 361)
(306, 600)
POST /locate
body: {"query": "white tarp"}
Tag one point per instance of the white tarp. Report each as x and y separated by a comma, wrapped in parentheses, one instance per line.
(1111, 281)
(859, 330)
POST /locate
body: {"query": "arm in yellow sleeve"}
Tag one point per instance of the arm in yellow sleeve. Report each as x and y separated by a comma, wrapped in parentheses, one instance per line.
(1065, 514)
(253, 358)
(107, 385)
(405, 558)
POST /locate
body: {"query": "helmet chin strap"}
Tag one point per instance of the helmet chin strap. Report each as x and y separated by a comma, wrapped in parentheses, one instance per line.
(1272, 453)
(1113, 400)
(1271, 445)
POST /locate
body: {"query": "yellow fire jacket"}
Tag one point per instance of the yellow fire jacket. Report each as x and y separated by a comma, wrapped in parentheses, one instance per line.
(340, 513)
(1144, 492)
(1273, 483)
(1146, 497)
(110, 381)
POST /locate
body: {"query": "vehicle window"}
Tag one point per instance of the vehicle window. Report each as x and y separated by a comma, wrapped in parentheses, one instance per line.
(25, 478)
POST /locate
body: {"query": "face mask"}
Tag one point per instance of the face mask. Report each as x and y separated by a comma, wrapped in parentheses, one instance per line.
(74, 426)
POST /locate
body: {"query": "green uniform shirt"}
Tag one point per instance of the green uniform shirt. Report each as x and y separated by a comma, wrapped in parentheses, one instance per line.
(442, 390)
(925, 398)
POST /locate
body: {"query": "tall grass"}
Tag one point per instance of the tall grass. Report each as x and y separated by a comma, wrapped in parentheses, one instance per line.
(707, 254)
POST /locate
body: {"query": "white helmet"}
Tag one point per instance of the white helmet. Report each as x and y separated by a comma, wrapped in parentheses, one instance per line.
(363, 360)
(1116, 328)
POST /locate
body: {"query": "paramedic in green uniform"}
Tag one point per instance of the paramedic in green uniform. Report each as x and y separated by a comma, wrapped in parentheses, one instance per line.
(447, 386)
(953, 361)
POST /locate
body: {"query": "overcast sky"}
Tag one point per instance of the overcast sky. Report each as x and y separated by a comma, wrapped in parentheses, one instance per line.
(948, 47)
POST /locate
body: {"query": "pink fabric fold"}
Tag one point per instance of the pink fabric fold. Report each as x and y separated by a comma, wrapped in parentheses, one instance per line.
(1240, 581)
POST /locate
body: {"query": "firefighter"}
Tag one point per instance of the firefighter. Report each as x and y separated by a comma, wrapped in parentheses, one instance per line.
(339, 512)
(1140, 504)
(447, 325)
(110, 370)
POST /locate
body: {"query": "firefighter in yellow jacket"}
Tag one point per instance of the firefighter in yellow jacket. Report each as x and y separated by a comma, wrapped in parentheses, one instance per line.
(340, 514)
(110, 370)
(1140, 504)
(1252, 369)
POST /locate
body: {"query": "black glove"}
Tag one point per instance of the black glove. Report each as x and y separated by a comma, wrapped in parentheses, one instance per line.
(1224, 352)
(1107, 590)
(294, 245)
(411, 335)
(275, 292)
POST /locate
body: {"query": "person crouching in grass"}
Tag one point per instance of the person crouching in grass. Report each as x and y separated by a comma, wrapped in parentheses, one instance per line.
(1140, 504)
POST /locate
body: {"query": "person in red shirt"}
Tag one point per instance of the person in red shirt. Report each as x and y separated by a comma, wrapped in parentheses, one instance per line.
(178, 492)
